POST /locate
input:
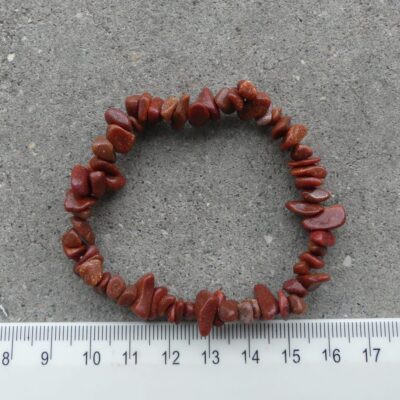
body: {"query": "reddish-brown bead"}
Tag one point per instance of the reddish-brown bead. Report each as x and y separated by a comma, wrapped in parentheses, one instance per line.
(323, 238)
(84, 230)
(228, 311)
(313, 281)
(154, 111)
(121, 139)
(247, 90)
(115, 287)
(311, 260)
(308, 183)
(80, 181)
(294, 135)
(304, 209)
(101, 287)
(143, 107)
(132, 105)
(128, 296)
(332, 217)
(98, 183)
(297, 304)
(179, 117)
(301, 152)
(283, 304)
(158, 294)
(103, 149)
(77, 204)
(281, 127)
(293, 286)
(116, 116)
(301, 268)
(142, 305)
(313, 171)
(223, 102)
(316, 195)
(267, 302)
(168, 108)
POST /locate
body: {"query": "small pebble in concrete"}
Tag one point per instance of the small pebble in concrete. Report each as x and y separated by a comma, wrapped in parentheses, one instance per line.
(347, 261)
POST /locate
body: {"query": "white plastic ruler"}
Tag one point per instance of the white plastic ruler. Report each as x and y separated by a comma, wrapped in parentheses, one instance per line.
(299, 359)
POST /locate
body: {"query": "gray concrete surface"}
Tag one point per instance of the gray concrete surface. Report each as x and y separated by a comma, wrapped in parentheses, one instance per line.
(203, 208)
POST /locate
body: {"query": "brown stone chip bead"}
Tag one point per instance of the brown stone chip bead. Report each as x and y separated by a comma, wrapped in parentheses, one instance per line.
(223, 102)
(175, 312)
(323, 238)
(235, 99)
(143, 107)
(168, 108)
(311, 260)
(73, 246)
(304, 163)
(255, 108)
(313, 281)
(115, 116)
(75, 253)
(103, 149)
(205, 307)
(121, 139)
(158, 294)
(206, 97)
(165, 303)
(247, 90)
(198, 114)
(301, 152)
(301, 268)
(91, 251)
(80, 181)
(91, 271)
(245, 309)
(189, 313)
(332, 217)
(276, 115)
(101, 287)
(267, 302)
(77, 204)
(179, 117)
(316, 250)
(281, 127)
(283, 304)
(228, 311)
(83, 229)
(136, 125)
(154, 111)
(256, 308)
(132, 105)
(316, 195)
(128, 296)
(304, 209)
(84, 214)
(294, 135)
(293, 286)
(308, 183)
(266, 119)
(142, 305)
(114, 178)
(98, 183)
(115, 287)
(297, 304)
(71, 239)
(313, 171)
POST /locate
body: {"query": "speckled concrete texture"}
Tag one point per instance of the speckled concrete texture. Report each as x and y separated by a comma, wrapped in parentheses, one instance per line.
(203, 207)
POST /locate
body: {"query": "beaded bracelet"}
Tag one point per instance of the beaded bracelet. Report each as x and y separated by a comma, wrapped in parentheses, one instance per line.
(90, 182)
